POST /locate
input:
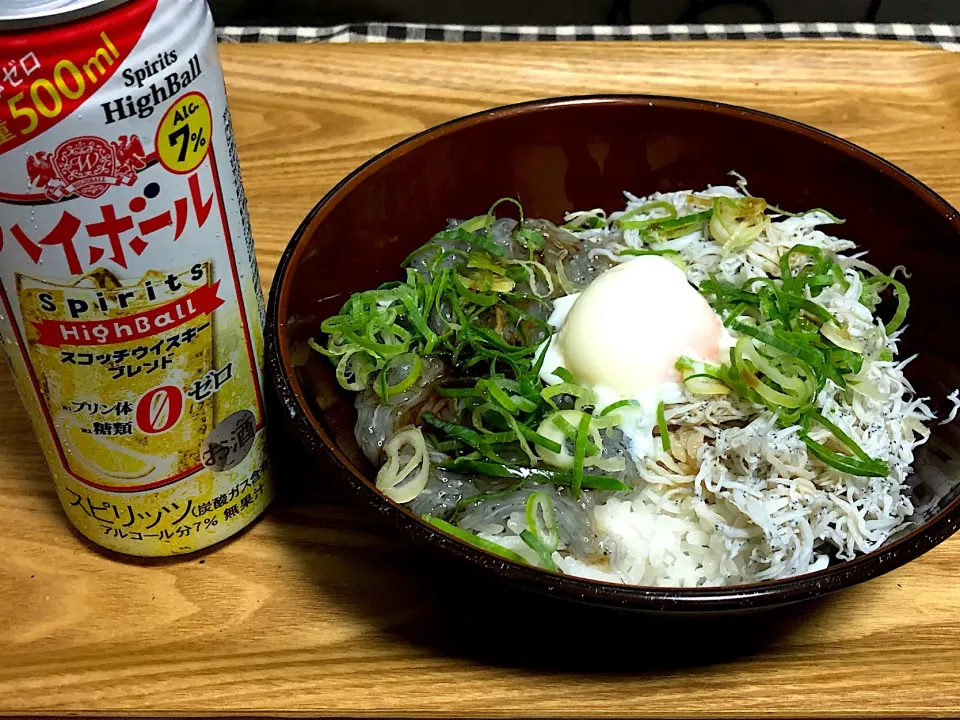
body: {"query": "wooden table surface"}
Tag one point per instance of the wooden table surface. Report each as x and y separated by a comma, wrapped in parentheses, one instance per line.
(316, 610)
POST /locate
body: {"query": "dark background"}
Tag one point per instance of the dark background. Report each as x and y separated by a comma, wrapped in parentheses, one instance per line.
(582, 12)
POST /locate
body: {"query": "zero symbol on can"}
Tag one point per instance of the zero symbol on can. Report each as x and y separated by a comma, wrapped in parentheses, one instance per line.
(159, 409)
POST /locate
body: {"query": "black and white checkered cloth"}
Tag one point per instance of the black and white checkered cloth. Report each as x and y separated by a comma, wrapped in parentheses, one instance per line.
(944, 36)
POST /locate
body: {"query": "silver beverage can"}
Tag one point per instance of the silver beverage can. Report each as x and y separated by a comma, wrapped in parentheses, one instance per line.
(132, 312)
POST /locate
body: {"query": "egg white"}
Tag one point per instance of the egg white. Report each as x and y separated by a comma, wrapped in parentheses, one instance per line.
(638, 421)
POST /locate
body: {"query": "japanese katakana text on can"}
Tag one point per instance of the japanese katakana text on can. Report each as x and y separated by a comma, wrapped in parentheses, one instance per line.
(132, 313)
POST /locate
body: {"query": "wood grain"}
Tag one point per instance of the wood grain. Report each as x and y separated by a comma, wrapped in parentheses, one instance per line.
(316, 610)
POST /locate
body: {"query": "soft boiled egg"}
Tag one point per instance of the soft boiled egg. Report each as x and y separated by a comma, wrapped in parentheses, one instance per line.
(622, 336)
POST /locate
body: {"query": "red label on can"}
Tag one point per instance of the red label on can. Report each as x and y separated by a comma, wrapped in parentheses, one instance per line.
(48, 81)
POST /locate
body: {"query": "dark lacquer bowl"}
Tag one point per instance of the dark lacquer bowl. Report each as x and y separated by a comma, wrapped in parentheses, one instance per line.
(582, 152)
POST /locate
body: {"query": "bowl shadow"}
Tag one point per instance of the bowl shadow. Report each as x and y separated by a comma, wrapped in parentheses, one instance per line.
(413, 596)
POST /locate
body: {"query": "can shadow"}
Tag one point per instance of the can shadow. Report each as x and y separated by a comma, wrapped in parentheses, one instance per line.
(369, 573)
(20, 449)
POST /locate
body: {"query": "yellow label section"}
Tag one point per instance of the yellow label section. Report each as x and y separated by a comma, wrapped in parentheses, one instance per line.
(116, 429)
(183, 134)
(154, 432)
(175, 519)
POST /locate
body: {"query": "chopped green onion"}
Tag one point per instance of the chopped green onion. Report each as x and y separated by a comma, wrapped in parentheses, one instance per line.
(845, 463)
(542, 524)
(537, 546)
(776, 342)
(579, 453)
(531, 267)
(515, 433)
(475, 540)
(478, 222)
(458, 234)
(684, 220)
(417, 253)
(705, 384)
(903, 301)
(469, 295)
(585, 396)
(737, 222)
(556, 477)
(570, 431)
(833, 218)
(531, 238)
(496, 393)
(818, 311)
(384, 389)
(617, 405)
(843, 437)
(403, 480)
(662, 425)
(589, 219)
(569, 287)
(590, 482)
(458, 432)
(565, 375)
(841, 278)
(795, 391)
(626, 222)
(478, 261)
(464, 503)
(355, 363)
(526, 405)
(542, 519)
(538, 439)
(491, 217)
(457, 392)
(538, 365)
(786, 274)
(641, 253)
(559, 428)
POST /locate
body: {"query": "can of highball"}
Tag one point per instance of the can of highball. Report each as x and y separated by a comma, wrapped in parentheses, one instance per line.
(132, 313)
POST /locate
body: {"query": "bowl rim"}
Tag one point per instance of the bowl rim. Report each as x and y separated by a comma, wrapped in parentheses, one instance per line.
(700, 599)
